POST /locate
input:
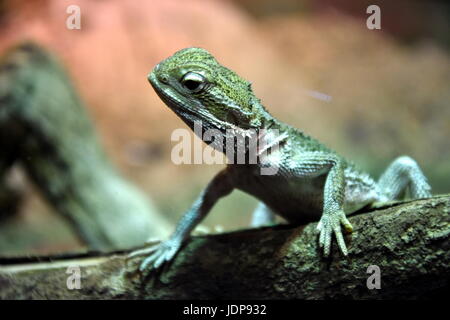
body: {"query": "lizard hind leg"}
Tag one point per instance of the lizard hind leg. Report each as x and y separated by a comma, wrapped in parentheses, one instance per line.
(262, 216)
(402, 174)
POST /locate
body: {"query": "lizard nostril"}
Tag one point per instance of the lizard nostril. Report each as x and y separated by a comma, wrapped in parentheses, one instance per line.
(156, 72)
(164, 78)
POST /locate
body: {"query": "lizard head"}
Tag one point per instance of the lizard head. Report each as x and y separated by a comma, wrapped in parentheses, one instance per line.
(197, 88)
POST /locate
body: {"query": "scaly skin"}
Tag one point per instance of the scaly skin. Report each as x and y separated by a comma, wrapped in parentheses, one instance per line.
(311, 182)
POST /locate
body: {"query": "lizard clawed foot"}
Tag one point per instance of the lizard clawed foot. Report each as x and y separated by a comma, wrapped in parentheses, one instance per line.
(157, 254)
(330, 223)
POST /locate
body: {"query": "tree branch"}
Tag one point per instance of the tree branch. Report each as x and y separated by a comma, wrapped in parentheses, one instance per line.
(409, 242)
(45, 127)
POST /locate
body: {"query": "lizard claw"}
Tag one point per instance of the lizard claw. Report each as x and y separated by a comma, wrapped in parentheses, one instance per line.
(329, 224)
(157, 254)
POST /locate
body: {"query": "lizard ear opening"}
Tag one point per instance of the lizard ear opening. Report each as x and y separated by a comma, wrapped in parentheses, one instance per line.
(193, 82)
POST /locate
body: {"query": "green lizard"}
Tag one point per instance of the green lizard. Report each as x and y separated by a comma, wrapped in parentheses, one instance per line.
(311, 183)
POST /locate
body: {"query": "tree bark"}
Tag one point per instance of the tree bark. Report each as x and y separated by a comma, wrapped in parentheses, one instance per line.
(408, 241)
(45, 128)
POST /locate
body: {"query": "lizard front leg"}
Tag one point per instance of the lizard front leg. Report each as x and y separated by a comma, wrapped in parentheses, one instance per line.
(311, 164)
(157, 255)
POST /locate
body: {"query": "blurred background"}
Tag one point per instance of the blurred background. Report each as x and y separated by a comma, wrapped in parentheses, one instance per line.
(371, 95)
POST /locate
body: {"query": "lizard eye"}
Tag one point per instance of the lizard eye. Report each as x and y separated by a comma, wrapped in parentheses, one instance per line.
(194, 82)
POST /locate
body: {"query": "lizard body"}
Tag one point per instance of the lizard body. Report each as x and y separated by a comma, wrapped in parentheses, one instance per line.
(311, 183)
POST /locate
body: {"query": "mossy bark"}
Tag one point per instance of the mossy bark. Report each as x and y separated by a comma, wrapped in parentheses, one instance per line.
(408, 241)
(45, 128)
